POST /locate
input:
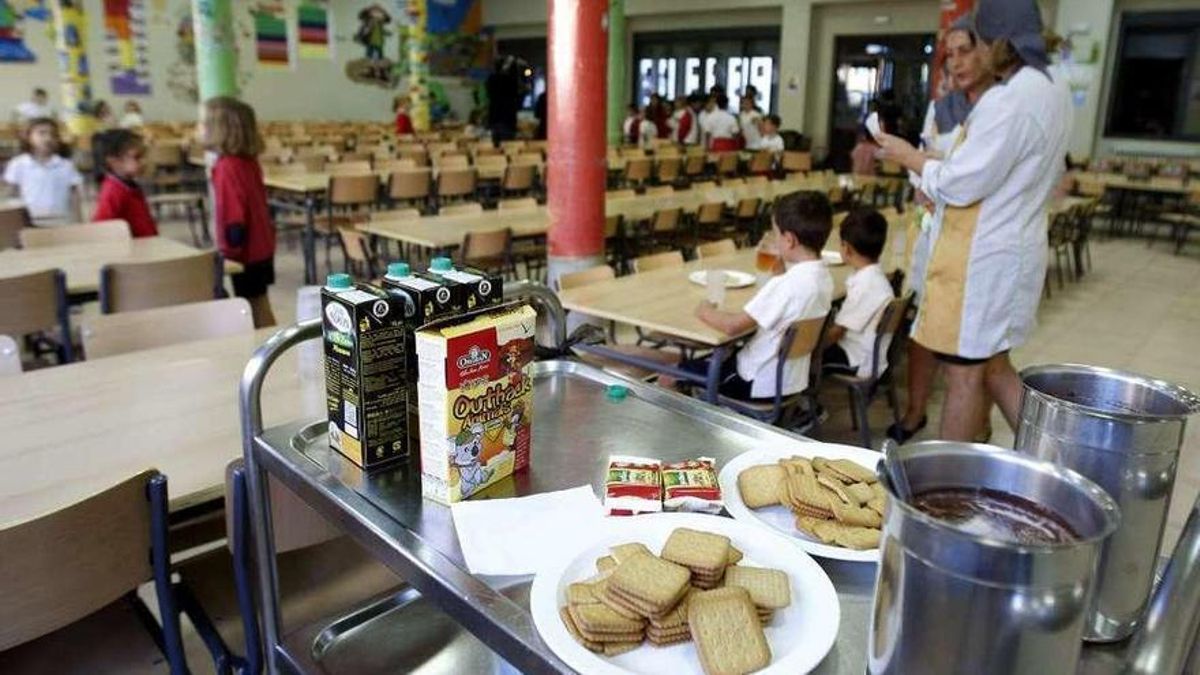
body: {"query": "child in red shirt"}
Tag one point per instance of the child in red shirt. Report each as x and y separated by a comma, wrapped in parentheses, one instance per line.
(404, 125)
(242, 220)
(120, 153)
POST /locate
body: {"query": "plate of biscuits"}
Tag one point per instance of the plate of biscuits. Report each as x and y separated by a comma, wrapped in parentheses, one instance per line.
(686, 593)
(825, 497)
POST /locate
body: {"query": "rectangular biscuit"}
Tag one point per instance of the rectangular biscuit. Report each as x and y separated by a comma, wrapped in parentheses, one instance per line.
(656, 582)
(728, 633)
(735, 556)
(622, 552)
(581, 594)
(769, 588)
(696, 550)
(569, 622)
(640, 606)
(759, 485)
(613, 602)
(618, 648)
(598, 618)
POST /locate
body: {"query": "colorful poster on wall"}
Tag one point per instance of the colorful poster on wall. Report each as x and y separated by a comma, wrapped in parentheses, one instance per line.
(125, 47)
(457, 43)
(271, 34)
(12, 40)
(315, 35)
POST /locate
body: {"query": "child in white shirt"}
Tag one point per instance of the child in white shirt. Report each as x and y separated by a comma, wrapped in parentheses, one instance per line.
(770, 139)
(851, 339)
(801, 225)
(47, 182)
(749, 118)
(637, 129)
(719, 126)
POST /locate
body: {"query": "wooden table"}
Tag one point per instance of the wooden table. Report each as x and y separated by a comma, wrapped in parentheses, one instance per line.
(74, 430)
(82, 262)
(665, 300)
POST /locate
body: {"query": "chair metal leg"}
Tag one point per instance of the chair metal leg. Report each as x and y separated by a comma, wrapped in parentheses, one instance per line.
(160, 559)
(243, 573)
(853, 408)
(893, 400)
(864, 423)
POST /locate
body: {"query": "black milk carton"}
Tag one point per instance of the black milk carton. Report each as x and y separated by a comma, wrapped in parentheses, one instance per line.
(425, 300)
(366, 371)
(471, 289)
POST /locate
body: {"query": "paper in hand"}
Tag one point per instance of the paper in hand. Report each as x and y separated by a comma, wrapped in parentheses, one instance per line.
(873, 125)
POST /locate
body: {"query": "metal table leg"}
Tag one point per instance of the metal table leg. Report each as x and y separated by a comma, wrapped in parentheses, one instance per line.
(310, 253)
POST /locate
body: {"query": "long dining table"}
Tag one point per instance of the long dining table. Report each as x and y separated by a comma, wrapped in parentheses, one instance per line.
(79, 428)
(81, 263)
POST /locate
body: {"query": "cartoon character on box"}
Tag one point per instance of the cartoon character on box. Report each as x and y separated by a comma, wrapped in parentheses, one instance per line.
(468, 448)
(517, 428)
(512, 364)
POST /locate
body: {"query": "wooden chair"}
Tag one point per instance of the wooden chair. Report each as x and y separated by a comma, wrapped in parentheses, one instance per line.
(10, 357)
(410, 186)
(360, 260)
(715, 249)
(664, 227)
(126, 287)
(86, 233)
(637, 171)
(747, 216)
(467, 208)
(12, 221)
(889, 340)
(451, 161)
(534, 158)
(660, 190)
(605, 273)
(490, 251)
(710, 218)
(694, 167)
(349, 201)
(113, 334)
(164, 166)
(668, 170)
(657, 261)
(803, 338)
(517, 204)
(512, 147)
(727, 164)
(312, 163)
(796, 162)
(36, 304)
(455, 184)
(387, 166)
(359, 168)
(72, 574)
(518, 179)
(762, 163)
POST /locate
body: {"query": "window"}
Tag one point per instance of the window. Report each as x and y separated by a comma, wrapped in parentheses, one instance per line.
(678, 63)
(1156, 77)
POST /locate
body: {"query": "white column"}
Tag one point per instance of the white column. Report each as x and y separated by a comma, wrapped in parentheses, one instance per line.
(795, 32)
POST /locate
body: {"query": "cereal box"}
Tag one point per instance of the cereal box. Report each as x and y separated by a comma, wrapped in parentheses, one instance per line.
(475, 394)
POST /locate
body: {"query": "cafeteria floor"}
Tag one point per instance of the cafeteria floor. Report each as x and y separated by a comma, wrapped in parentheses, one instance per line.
(1138, 309)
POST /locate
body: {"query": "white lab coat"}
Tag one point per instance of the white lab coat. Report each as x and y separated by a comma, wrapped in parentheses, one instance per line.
(988, 261)
(940, 145)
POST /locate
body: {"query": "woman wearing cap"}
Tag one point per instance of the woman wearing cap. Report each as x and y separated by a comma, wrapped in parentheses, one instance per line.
(988, 262)
(966, 77)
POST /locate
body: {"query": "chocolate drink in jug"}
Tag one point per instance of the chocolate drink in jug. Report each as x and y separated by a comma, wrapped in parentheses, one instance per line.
(425, 300)
(366, 371)
(471, 289)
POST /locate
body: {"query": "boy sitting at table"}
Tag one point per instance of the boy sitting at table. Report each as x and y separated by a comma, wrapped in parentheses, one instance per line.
(801, 225)
(850, 341)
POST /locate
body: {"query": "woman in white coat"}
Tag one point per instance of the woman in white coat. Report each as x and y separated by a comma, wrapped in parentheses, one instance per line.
(988, 261)
(967, 77)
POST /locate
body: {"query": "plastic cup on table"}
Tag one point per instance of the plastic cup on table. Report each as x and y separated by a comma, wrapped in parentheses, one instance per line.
(714, 286)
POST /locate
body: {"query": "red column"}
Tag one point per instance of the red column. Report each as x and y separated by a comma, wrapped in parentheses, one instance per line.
(951, 11)
(576, 169)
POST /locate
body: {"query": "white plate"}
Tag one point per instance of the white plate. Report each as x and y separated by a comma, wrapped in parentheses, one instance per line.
(800, 635)
(733, 278)
(780, 518)
(832, 258)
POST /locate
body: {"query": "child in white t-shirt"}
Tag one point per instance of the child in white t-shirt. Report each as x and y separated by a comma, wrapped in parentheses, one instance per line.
(47, 182)
(749, 119)
(770, 139)
(851, 340)
(804, 290)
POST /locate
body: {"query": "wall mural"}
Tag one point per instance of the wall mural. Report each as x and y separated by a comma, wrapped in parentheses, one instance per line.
(271, 44)
(125, 46)
(12, 37)
(375, 26)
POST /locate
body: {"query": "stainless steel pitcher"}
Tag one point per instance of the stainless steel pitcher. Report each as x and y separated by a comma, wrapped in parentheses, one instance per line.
(1123, 431)
(947, 601)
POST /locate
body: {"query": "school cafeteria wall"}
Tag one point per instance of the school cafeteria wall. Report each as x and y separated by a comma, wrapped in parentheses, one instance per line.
(311, 89)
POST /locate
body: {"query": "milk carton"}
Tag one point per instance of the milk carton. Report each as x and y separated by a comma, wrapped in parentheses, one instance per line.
(475, 394)
(471, 289)
(366, 371)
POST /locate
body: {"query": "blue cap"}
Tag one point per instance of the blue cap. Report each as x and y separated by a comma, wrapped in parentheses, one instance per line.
(617, 392)
(398, 269)
(441, 265)
(339, 281)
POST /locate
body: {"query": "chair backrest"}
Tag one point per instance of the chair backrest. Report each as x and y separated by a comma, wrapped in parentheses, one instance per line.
(716, 248)
(353, 190)
(164, 155)
(660, 190)
(12, 221)
(695, 165)
(666, 220)
(357, 247)
(727, 163)
(710, 213)
(762, 161)
(85, 233)
(409, 184)
(456, 182)
(534, 158)
(797, 161)
(666, 150)
(349, 168)
(806, 338)
(488, 245)
(113, 334)
(638, 169)
(10, 356)
(514, 146)
(126, 287)
(612, 226)
(749, 207)
(518, 204)
(668, 168)
(455, 160)
(461, 209)
(656, 261)
(62, 566)
(491, 161)
(585, 277)
(632, 152)
(32, 302)
(384, 166)
(890, 323)
(519, 176)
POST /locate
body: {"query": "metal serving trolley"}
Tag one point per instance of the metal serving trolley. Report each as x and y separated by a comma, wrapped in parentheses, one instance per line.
(577, 427)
